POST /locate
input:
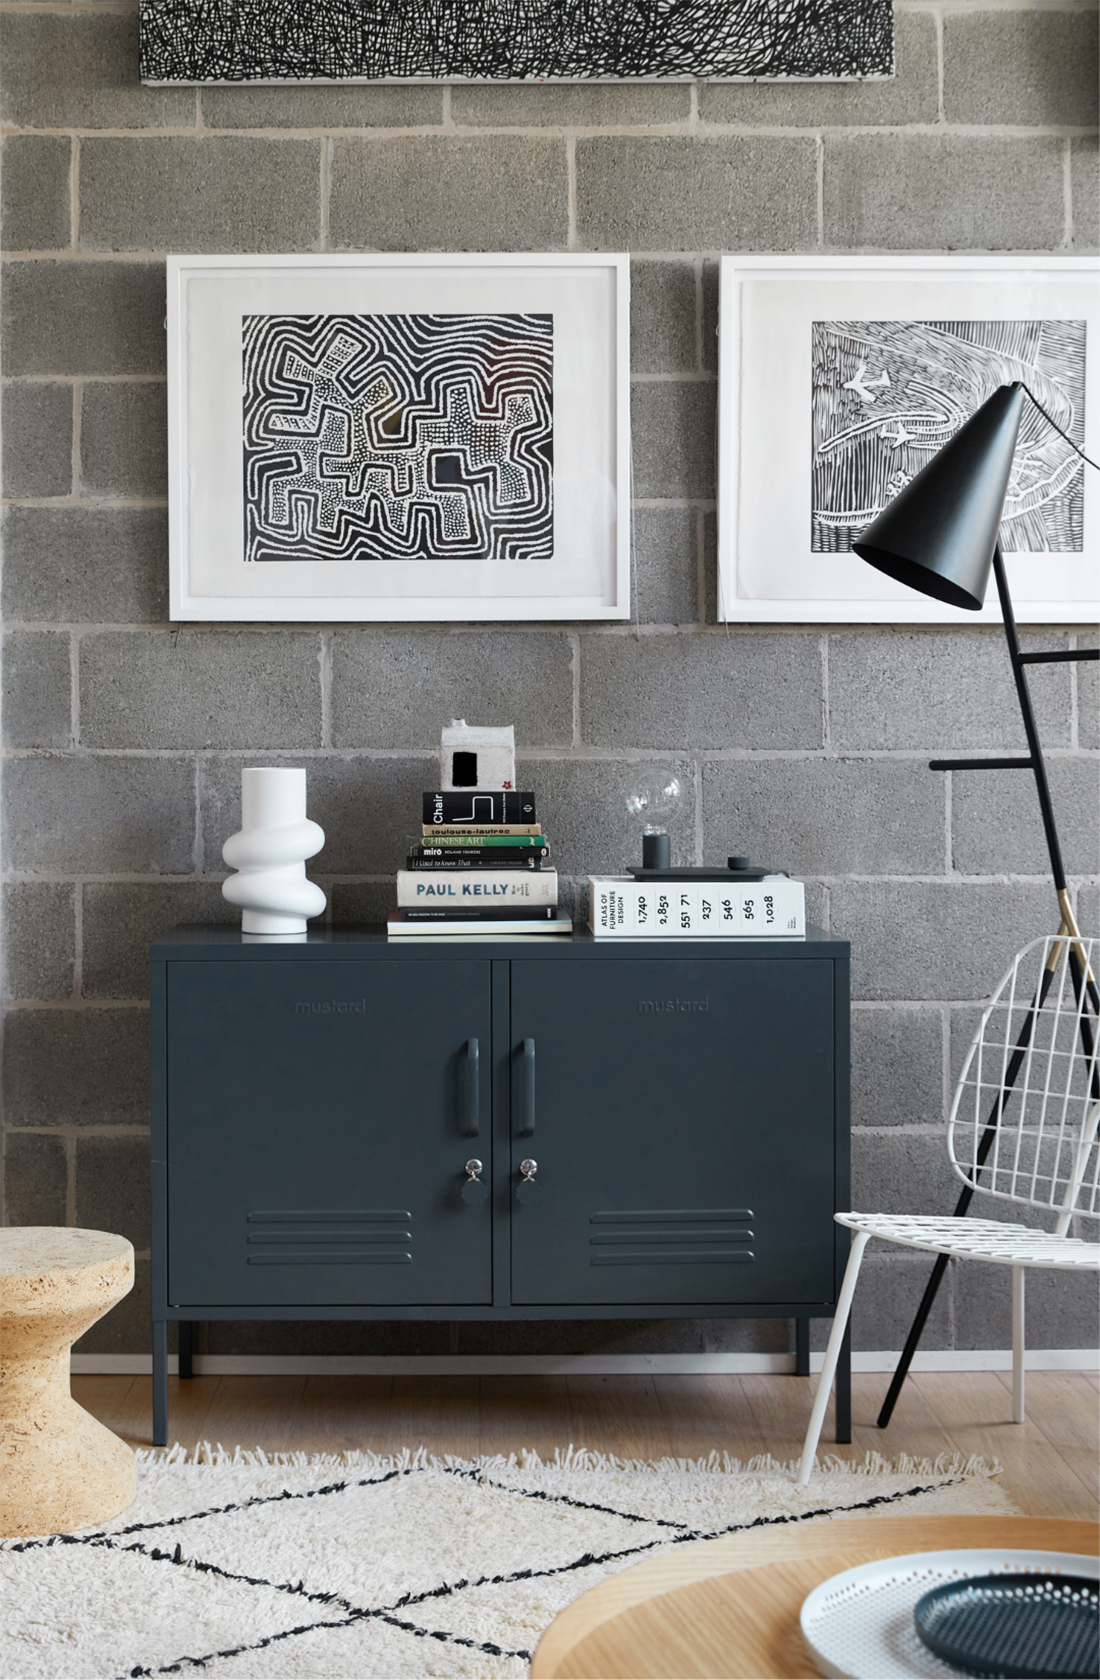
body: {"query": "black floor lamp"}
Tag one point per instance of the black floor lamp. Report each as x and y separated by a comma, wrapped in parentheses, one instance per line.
(940, 535)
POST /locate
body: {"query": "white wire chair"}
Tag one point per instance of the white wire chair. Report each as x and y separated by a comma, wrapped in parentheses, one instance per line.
(1023, 1127)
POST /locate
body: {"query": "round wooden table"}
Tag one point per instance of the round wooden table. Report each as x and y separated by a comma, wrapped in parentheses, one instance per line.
(728, 1609)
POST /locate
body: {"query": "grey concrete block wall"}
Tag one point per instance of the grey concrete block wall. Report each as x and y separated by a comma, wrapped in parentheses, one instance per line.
(805, 745)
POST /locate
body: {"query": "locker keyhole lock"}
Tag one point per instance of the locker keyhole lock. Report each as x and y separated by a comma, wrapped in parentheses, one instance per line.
(527, 1191)
(473, 1191)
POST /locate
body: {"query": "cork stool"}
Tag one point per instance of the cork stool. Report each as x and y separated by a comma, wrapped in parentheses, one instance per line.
(59, 1467)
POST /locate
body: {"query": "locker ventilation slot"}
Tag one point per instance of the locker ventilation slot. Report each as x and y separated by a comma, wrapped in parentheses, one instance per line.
(673, 1236)
(330, 1237)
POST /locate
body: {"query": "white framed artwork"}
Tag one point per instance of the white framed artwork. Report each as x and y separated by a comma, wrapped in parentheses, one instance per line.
(399, 437)
(841, 377)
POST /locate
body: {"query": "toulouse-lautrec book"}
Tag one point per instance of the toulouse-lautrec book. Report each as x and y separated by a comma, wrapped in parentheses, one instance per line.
(622, 908)
(477, 887)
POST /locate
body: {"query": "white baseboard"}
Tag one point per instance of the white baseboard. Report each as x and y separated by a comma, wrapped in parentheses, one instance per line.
(553, 1364)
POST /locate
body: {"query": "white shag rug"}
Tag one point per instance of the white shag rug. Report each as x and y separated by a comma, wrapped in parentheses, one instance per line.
(357, 1567)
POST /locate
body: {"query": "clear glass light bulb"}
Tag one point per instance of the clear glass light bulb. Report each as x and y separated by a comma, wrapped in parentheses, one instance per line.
(654, 796)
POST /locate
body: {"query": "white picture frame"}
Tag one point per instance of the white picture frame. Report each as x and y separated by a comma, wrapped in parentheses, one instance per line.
(505, 387)
(793, 462)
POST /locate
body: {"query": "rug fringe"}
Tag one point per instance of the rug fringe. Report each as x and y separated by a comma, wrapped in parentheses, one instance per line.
(966, 1466)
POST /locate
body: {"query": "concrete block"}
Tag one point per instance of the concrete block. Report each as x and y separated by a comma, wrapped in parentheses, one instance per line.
(427, 194)
(1020, 67)
(1088, 694)
(38, 440)
(582, 806)
(925, 940)
(122, 917)
(897, 1066)
(112, 1186)
(83, 317)
(666, 565)
(662, 317)
(37, 689)
(322, 105)
(891, 1283)
(902, 1172)
(1059, 1308)
(1088, 910)
(127, 1328)
(124, 440)
(201, 688)
(360, 902)
(35, 1179)
(996, 826)
(94, 564)
(561, 105)
(207, 194)
(940, 690)
(710, 317)
(99, 815)
(943, 192)
(39, 939)
(673, 430)
(86, 1067)
(398, 688)
(826, 816)
(368, 808)
(910, 97)
(319, 1337)
(81, 71)
(1084, 165)
(702, 193)
(34, 193)
(695, 691)
(564, 1336)
(710, 568)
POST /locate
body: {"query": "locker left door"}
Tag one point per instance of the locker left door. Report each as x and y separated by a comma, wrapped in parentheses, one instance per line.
(319, 1118)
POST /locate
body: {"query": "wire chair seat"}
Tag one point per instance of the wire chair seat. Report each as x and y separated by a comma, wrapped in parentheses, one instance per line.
(1024, 1128)
(978, 1239)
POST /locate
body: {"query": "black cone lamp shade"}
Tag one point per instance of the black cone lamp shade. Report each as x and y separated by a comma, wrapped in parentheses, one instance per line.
(939, 533)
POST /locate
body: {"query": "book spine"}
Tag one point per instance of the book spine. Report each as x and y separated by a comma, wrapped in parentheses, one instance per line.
(496, 913)
(477, 887)
(474, 857)
(491, 806)
(697, 909)
(478, 833)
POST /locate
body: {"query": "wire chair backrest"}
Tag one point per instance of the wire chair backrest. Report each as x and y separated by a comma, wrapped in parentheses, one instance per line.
(1023, 1125)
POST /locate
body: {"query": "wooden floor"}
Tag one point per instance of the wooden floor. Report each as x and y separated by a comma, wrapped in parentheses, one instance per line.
(1050, 1460)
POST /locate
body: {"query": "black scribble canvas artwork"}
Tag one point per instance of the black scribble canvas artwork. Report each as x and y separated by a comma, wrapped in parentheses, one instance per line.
(513, 40)
(888, 394)
(396, 437)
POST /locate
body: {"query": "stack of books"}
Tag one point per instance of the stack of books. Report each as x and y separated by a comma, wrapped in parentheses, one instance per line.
(480, 867)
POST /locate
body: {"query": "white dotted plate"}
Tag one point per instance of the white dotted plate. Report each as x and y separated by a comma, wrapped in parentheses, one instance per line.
(859, 1624)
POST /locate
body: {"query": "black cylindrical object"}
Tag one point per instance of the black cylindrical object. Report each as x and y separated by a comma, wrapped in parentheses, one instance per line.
(656, 852)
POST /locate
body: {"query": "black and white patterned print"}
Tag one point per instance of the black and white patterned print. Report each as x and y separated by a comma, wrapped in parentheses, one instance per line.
(888, 394)
(512, 40)
(398, 437)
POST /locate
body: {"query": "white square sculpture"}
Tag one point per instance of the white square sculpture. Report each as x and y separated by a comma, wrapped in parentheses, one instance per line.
(481, 758)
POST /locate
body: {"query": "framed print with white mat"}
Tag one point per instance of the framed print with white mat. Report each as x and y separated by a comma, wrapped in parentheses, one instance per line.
(400, 437)
(841, 377)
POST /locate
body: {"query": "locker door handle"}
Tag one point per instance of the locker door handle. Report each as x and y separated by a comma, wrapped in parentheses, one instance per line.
(469, 1085)
(525, 1095)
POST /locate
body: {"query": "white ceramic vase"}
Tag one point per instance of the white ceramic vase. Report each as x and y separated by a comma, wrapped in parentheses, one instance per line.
(270, 854)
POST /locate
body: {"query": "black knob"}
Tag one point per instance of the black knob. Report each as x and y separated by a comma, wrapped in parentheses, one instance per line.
(738, 863)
